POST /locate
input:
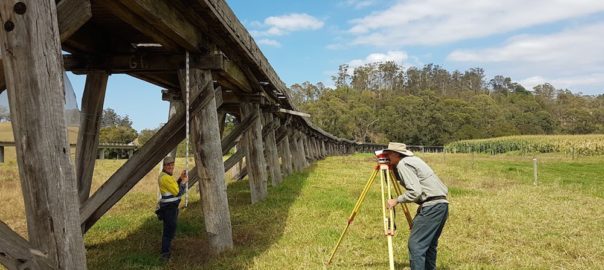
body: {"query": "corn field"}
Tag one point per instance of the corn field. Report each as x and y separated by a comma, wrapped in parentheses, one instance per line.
(576, 145)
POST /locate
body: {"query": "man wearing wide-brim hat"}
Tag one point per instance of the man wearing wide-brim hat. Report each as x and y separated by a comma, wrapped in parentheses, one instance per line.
(427, 190)
(171, 190)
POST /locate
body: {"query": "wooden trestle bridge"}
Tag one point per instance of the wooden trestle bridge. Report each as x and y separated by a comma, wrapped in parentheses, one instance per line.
(147, 39)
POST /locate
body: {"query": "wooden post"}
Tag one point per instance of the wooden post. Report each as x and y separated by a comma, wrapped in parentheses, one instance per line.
(176, 106)
(295, 157)
(1, 153)
(286, 156)
(302, 152)
(33, 64)
(271, 152)
(236, 170)
(317, 149)
(309, 149)
(205, 136)
(90, 125)
(323, 149)
(256, 165)
(221, 122)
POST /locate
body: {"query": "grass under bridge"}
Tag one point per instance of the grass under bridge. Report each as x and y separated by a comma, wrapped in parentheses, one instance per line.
(498, 218)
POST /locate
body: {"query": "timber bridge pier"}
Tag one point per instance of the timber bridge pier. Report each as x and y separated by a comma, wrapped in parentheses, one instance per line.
(149, 40)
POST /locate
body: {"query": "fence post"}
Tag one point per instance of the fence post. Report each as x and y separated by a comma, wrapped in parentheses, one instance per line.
(1, 153)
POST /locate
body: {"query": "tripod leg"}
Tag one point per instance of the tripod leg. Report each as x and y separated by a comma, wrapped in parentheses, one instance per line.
(390, 233)
(357, 206)
(397, 189)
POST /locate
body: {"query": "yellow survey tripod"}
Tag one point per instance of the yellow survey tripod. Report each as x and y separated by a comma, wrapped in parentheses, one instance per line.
(387, 184)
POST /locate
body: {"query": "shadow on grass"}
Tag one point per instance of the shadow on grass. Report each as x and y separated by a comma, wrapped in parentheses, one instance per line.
(255, 228)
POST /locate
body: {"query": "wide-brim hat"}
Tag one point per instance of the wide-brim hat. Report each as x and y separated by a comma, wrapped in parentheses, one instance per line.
(168, 160)
(399, 147)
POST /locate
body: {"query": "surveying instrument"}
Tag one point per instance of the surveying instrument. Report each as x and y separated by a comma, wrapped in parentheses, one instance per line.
(384, 169)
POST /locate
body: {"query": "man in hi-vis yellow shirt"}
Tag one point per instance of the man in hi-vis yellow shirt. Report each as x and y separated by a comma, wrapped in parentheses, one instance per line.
(171, 190)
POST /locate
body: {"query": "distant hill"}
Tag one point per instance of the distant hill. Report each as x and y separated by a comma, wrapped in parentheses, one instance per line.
(72, 111)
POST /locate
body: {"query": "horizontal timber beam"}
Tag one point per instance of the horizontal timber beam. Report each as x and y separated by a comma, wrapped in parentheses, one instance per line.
(157, 63)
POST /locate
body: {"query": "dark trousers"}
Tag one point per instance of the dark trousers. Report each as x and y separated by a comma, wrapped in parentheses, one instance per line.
(169, 215)
(427, 226)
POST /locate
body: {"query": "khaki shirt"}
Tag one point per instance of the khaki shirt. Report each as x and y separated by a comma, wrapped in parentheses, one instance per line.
(420, 181)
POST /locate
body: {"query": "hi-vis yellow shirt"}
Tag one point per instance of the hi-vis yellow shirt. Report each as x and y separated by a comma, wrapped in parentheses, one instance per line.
(168, 187)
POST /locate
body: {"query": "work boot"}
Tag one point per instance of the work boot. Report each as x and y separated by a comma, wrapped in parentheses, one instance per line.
(165, 257)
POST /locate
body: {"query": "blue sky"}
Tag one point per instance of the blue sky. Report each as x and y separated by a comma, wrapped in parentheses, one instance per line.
(555, 41)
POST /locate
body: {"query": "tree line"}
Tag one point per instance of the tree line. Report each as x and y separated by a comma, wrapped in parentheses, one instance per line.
(381, 102)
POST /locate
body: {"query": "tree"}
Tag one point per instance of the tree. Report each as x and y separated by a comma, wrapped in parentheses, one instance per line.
(111, 118)
(342, 79)
(117, 134)
(145, 135)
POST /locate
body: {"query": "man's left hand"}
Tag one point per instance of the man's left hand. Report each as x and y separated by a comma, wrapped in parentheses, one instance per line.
(392, 203)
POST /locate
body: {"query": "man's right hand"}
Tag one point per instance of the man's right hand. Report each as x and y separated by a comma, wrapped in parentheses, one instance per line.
(183, 177)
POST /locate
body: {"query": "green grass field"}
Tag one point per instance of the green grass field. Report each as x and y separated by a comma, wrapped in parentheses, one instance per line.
(498, 218)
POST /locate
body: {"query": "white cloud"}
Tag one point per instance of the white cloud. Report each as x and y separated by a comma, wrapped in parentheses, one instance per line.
(588, 84)
(359, 4)
(396, 56)
(269, 42)
(572, 58)
(580, 45)
(432, 22)
(281, 25)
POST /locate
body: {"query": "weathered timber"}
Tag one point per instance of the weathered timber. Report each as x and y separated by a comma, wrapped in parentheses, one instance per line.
(296, 152)
(1, 153)
(205, 135)
(241, 164)
(234, 159)
(230, 35)
(221, 122)
(303, 150)
(242, 174)
(176, 107)
(17, 253)
(323, 149)
(272, 155)
(154, 63)
(230, 140)
(2, 80)
(90, 124)
(34, 79)
(227, 143)
(317, 149)
(286, 156)
(170, 22)
(310, 149)
(256, 163)
(142, 24)
(72, 14)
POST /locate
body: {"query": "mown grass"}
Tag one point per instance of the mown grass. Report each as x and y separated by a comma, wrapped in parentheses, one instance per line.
(498, 219)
